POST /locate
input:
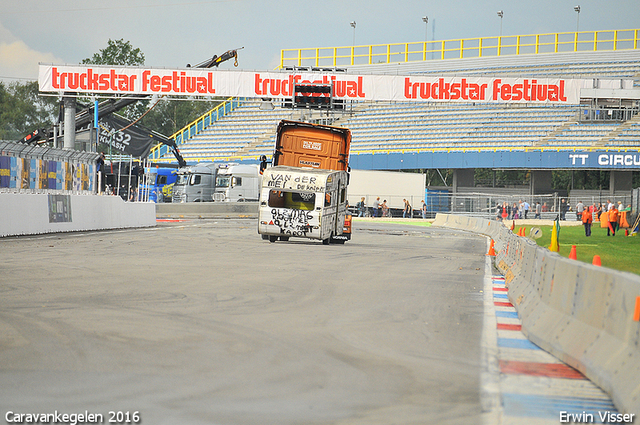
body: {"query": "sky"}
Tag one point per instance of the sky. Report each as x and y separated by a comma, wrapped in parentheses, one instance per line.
(173, 33)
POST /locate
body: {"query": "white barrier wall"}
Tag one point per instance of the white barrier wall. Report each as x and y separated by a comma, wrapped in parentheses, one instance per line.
(28, 214)
(580, 313)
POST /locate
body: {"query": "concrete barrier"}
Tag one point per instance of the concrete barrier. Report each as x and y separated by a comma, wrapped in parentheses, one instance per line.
(29, 214)
(208, 210)
(580, 313)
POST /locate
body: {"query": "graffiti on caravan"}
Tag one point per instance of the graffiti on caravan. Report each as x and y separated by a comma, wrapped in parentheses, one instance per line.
(299, 182)
(291, 222)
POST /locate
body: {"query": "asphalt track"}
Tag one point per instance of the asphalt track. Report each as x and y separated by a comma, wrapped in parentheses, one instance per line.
(203, 322)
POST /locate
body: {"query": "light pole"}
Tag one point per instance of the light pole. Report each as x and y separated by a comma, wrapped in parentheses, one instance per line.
(500, 14)
(353, 25)
(577, 9)
(425, 19)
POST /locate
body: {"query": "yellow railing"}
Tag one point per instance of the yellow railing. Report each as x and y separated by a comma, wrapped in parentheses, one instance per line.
(195, 127)
(462, 48)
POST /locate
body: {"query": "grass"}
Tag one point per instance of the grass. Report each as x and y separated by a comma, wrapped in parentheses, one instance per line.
(620, 252)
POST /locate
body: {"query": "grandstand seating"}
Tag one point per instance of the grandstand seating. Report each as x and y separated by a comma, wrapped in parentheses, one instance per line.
(249, 131)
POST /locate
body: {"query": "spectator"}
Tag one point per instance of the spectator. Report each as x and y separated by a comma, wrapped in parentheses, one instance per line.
(526, 207)
(376, 206)
(579, 210)
(587, 219)
(563, 209)
(599, 211)
(361, 207)
(423, 210)
(514, 212)
(385, 209)
(545, 208)
(613, 221)
(538, 211)
(100, 170)
(406, 211)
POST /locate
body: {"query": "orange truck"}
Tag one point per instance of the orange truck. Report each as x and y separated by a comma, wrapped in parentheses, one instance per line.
(304, 192)
(300, 144)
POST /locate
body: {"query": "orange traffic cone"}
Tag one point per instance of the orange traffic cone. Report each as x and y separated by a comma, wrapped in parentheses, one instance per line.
(492, 252)
(513, 225)
(596, 261)
(524, 232)
(572, 254)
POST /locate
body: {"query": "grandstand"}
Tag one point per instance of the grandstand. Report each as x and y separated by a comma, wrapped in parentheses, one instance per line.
(404, 135)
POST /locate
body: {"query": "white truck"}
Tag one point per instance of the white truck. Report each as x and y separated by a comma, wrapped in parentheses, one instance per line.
(303, 202)
(195, 183)
(392, 186)
(237, 183)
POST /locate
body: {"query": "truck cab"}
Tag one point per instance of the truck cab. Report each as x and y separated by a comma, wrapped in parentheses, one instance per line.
(237, 183)
(195, 183)
(303, 202)
(156, 179)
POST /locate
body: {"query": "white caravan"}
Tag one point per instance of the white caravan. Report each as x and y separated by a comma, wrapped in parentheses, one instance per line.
(303, 202)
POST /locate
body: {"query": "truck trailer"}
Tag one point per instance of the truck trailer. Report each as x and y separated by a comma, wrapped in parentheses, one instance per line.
(392, 186)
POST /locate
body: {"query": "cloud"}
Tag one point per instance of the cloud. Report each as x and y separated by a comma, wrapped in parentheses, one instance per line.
(17, 60)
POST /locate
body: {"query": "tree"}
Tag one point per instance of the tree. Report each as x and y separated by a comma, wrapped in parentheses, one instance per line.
(120, 52)
(167, 116)
(23, 110)
(117, 52)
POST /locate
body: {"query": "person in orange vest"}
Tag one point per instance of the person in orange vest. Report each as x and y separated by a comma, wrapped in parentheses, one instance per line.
(613, 221)
(587, 219)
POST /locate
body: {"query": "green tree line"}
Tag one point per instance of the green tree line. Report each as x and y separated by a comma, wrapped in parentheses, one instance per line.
(23, 109)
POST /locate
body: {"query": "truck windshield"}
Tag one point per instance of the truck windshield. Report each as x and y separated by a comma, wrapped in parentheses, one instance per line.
(223, 181)
(182, 179)
(293, 200)
(152, 178)
(195, 179)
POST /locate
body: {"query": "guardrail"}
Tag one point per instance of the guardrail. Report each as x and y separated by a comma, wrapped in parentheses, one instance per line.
(609, 40)
(584, 315)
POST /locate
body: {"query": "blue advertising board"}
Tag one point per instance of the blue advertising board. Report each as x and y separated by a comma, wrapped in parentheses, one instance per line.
(497, 159)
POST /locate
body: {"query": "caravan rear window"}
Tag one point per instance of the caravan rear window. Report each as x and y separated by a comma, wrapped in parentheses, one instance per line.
(293, 200)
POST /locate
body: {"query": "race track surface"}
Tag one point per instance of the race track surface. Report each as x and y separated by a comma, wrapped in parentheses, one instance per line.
(203, 322)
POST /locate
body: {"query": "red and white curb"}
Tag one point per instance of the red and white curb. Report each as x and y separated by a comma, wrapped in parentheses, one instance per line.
(523, 384)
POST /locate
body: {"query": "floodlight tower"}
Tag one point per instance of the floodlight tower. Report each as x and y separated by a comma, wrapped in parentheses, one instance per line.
(353, 25)
(500, 14)
(425, 19)
(577, 9)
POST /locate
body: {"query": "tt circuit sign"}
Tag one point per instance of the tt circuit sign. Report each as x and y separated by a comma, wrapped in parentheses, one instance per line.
(604, 160)
(206, 82)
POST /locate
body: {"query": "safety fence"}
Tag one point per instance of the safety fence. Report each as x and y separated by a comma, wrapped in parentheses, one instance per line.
(586, 316)
(38, 169)
(610, 40)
